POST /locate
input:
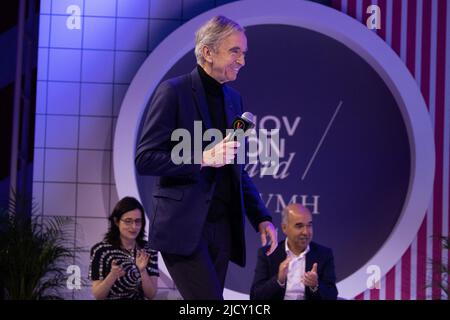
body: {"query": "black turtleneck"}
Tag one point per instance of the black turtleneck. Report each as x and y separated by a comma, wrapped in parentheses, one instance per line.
(214, 99)
(216, 106)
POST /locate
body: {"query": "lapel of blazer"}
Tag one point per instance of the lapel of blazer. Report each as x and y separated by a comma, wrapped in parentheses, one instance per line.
(311, 257)
(200, 98)
(279, 255)
(231, 112)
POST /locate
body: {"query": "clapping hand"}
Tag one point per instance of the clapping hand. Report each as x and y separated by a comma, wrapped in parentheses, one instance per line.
(142, 260)
(310, 278)
(283, 270)
(116, 270)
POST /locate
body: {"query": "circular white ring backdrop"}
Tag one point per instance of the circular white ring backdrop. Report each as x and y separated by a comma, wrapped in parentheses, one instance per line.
(334, 24)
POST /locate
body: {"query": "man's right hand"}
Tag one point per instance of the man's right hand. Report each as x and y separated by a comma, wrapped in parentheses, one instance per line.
(221, 154)
(283, 270)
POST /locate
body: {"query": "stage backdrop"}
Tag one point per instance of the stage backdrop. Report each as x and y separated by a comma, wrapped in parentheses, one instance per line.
(348, 148)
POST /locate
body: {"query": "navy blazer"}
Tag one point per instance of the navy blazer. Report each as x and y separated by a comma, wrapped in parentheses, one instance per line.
(266, 287)
(182, 193)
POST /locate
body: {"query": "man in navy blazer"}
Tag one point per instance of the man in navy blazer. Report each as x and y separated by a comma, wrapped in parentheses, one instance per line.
(298, 269)
(197, 218)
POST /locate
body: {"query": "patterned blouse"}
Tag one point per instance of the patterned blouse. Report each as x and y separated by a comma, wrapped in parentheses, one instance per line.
(128, 286)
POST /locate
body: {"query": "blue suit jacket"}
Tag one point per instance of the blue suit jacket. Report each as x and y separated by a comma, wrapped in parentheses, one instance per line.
(266, 287)
(182, 193)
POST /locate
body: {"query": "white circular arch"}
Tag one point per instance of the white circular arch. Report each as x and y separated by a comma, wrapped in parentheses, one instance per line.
(336, 25)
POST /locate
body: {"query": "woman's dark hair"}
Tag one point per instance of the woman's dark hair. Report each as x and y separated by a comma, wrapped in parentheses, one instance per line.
(123, 206)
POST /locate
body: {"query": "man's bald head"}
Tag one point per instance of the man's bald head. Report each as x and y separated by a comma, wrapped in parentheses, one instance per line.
(294, 209)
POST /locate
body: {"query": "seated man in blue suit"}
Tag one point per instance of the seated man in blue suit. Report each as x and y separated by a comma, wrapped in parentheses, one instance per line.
(298, 269)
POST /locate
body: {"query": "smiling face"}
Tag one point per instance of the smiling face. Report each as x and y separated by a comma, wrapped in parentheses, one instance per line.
(298, 228)
(130, 224)
(224, 62)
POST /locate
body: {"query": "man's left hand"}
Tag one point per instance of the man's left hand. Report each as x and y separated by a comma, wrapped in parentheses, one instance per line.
(266, 229)
(310, 278)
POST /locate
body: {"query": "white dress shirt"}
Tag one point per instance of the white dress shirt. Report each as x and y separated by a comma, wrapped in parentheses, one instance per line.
(295, 289)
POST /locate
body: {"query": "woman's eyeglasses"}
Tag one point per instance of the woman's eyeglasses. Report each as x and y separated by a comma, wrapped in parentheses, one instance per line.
(129, 222)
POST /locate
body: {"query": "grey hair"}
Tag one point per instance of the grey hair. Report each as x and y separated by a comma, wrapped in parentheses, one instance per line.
(212, 33)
